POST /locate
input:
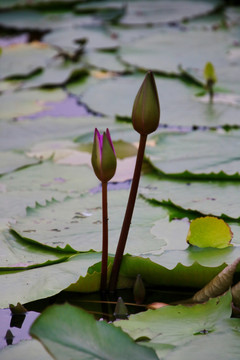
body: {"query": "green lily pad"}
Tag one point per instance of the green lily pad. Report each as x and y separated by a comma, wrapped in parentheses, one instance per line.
(78, 224)
(23, 134)
(28, 349)
(210, 154)
(24, 59)
(155, 12)
(216, 198)
(25, 188)
(201, 326)
(16, 253)
(6, 85)
(11, 161)
(171, 51)
(209, 232)
(67, 331)
(162, 325)
(8, 4)
(57, 73)
(213, 346)
(28, 102)
(70, 40)
(106, 10)
(173, 94)
(38, 283)
(104, 61)
(14, 203)
(29, 19)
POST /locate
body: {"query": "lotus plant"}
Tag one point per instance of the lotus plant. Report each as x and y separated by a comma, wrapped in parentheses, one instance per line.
(145, 119)
(211, 78)
(104, 164)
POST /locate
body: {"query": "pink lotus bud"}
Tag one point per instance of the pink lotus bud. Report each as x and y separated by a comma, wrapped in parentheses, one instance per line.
(104, 160)
(146, 108)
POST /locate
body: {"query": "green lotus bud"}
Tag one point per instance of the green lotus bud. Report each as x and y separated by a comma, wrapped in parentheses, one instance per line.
(146, 108)
(121, 311)
(209, 73)
(139, 291)
(103, 156)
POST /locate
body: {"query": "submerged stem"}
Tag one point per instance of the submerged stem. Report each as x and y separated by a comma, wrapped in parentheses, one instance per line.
(128, 215)
(104, 237)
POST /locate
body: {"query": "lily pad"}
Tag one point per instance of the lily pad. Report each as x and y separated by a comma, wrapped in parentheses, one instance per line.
(209, 232)
(78, 224)
(17, 254)
(8, 4)
(27, 102)
(24, 59)
(160, 52)
(104, 61)
(71, 40)
(162, 325)
(29, 19)
(216, 198)
(23, 134)
(51, 178)
(212, 154)
(163, 12)
(57, 73)
(106, 10)
(11, 161)
(201, 326)
(33, 284)
(67, 331)
(173, 94)
(27, 349)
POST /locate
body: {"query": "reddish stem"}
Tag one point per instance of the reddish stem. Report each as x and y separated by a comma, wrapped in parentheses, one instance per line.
(104, 237)
(128, 215)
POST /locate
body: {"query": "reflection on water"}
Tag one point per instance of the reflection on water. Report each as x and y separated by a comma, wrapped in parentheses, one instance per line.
(14, 328)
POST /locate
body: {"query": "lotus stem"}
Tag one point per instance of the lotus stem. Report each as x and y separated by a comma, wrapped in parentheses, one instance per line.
(128, 215)
(104, 237)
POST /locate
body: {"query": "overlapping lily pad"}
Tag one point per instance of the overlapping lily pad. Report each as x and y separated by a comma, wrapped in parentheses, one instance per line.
(179, 104)
(24, 59)
(190, 50)
(23, 134)
(32, 348)
(7, 4)
(162, 12)
(71, 40)
(104, 61)
(42, 21)
(83, 337)
(57, 73)
(28, 102)
(204, 325)
(213, 154)
(17, 254)
(217, 198)
(50, 177)
(11, 161)
(78, 224)
(28, 285)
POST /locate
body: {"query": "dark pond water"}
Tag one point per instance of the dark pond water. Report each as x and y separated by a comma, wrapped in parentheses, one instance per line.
(14, 328)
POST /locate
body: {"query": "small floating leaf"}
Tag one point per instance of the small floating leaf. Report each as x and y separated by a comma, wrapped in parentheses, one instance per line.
(209, 232)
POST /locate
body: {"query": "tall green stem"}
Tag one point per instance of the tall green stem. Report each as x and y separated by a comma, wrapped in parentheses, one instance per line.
(128, 215)
(104, 237)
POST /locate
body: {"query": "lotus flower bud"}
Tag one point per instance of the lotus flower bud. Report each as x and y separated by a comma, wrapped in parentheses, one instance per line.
(103, 156)
(139, 291)
(146, 108)
(120, 311)
(209, 73)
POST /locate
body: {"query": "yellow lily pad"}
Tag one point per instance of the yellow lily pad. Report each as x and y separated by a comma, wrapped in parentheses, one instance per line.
(209, 231)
